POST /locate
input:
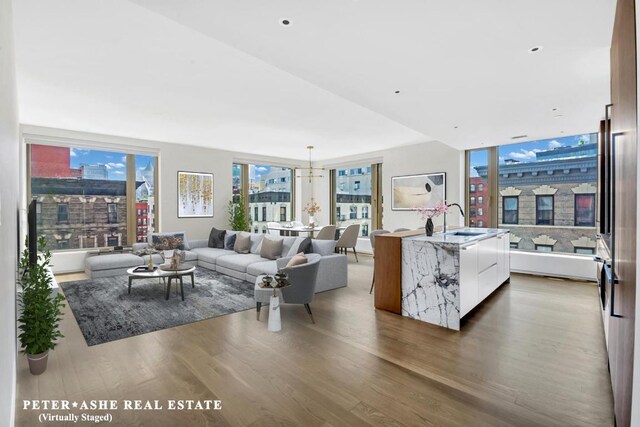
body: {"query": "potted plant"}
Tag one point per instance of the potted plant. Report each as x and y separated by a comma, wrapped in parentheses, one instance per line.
(41, 312)
(238, 214)
(312, 208)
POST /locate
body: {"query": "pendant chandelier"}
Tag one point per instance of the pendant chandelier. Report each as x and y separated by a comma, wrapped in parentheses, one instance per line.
(310, 172)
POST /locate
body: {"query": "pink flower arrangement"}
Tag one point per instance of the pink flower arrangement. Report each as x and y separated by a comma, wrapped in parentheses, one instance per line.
(430, 213)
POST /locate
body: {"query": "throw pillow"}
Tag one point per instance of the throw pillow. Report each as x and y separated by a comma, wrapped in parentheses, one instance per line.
(323, 247)
(271, 248)
(168, 241)
(302, 244)
(230, 240)
(297, 259)
(216, 238)
(242, 244)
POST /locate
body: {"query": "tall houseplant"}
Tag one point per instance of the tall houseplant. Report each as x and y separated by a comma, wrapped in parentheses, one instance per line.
(41, 312)
(238, 214)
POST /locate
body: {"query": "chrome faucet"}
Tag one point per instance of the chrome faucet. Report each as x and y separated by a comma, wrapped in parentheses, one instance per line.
(444, 227)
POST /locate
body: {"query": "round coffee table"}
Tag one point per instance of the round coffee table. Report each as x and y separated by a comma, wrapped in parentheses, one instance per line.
(162, 274)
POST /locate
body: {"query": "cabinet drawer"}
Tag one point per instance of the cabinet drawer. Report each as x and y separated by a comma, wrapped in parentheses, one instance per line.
(487, 253)
(487, 282)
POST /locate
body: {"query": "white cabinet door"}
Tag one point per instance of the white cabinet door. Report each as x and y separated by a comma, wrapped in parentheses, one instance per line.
(468, 278)
(503, 258)
(487, 282)
(487, 253)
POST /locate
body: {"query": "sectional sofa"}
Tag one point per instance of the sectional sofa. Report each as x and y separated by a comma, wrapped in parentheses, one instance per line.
(332, 271)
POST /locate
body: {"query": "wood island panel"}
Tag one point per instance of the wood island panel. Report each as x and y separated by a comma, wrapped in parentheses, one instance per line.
(388, 270)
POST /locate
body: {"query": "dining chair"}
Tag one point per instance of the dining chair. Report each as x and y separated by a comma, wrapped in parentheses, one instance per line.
(328, 232)
(349, 239)
(400, 229)
(372, 238)
(297, 223)
(272, 228)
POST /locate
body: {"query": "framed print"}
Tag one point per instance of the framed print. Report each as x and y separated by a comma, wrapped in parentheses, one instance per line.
(195, 195)
(410, 192)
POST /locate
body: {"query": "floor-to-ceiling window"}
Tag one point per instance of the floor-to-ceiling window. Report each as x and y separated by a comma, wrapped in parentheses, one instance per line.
(83, 200)
(269, 190)
(352, 194)
(546, 192)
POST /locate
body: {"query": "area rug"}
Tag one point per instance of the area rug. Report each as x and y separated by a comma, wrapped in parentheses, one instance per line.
(106, 312)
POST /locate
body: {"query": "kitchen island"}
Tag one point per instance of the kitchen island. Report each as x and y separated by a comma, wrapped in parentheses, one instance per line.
(438, 279)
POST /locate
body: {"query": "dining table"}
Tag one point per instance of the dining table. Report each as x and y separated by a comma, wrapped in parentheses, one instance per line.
(286, 230)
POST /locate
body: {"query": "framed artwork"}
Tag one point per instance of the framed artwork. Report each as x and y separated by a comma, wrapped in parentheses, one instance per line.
(195, 195)
(410, 192)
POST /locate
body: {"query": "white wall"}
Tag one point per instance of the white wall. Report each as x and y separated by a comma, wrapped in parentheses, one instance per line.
(172, 158)
(8, 215)
(425, 157)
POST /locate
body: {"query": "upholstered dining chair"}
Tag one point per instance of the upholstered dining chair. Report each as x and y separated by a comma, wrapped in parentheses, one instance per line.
(400, 229)
(302, 278)
(372, 238)
(328, 232)
(297, 223)
(271, 230)
(348, 239)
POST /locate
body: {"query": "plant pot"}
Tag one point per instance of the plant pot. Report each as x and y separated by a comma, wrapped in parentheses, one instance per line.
(428, 227)
(38, 362)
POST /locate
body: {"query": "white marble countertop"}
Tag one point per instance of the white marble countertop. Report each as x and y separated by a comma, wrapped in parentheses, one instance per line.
(453, 237)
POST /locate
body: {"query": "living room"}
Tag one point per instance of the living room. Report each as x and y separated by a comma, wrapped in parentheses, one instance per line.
(335, 214)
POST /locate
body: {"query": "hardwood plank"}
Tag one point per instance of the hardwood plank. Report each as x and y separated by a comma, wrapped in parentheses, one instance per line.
(532, 354)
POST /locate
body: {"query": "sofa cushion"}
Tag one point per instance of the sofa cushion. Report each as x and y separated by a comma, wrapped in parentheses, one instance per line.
(323, 247)
(242, 244)
(112, 261)
(169, 241)
(157, 259)
(271, 247)
(287, 243)
(210, 255)
(230, 239)
(256, 242)
(302, 244)
(238, 262)
(216, 238)
(264, 267)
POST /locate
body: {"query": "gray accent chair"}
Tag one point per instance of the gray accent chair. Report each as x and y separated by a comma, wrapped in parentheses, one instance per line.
(372, 238)
(328, 232)
(303, 284)
(349, 239)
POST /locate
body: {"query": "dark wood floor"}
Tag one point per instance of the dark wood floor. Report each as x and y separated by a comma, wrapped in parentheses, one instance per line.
(532, 355)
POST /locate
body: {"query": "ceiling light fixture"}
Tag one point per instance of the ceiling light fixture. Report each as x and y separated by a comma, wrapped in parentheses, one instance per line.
(554, 109)
(311, 171)
(285, 22)
(455, 127)
(397, 91)
(535, 49)
(519, 136)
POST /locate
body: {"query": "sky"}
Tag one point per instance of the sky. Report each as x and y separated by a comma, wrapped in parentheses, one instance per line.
(116, 162)
(525, 151)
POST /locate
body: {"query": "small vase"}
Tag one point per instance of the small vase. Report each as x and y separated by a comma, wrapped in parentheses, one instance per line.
(38, 362)
(274, 324)
(312, 220)
(428, 227)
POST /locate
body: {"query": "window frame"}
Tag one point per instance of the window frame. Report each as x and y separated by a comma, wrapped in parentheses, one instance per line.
(517, 209)
(575, 210)
(65, 221)
(111, 220)
(552, 210)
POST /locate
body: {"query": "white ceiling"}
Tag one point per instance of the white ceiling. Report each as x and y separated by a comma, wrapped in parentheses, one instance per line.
(226, 74)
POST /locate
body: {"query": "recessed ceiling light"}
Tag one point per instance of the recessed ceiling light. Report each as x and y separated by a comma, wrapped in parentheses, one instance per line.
(519, 136)
(535, 49)
(455, 127)
(397, 91)
(285, 22)
(554, 109)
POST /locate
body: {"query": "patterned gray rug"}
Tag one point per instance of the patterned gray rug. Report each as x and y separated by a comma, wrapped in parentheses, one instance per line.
(105, 312)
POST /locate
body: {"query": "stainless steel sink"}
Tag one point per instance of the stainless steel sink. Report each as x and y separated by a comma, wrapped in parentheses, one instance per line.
(465, 233)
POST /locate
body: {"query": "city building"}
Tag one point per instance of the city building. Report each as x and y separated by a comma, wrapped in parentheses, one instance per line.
(478, 202)
(353, 197)
(142, 217)
(269, 196)
(549, 203)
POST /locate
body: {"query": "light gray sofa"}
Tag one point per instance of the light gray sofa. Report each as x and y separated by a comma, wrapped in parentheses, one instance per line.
(332, 272)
